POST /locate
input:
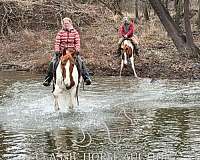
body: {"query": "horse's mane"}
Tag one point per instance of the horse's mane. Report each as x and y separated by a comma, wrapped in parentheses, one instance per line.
(71, 50)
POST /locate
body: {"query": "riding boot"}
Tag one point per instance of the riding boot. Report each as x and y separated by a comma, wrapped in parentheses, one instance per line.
(51, 70)
(49, 75)
(83, 70)
(55, 65)
(86, 75)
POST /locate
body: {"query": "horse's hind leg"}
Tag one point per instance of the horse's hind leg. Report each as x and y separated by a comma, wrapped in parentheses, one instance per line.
(133, 66)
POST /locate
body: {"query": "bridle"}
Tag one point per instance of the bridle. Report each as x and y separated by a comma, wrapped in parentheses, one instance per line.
(64, 59)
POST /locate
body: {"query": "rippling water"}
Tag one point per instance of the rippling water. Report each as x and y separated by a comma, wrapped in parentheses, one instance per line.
(116, 120)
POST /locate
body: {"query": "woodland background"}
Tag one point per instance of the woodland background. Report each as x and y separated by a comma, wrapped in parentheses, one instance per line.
(169, 33)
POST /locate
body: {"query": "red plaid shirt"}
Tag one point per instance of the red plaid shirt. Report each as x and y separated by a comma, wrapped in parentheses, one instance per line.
(130, 32)
(67, 39)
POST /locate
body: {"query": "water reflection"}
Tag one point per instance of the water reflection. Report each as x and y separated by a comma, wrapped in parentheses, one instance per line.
(127, 119)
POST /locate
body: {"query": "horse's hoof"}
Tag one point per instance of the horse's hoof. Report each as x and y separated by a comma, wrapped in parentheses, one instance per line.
(138, 78)
(57, 108)
(71, 109)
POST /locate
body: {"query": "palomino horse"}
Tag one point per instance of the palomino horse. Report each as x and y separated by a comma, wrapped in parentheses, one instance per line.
(67, 79)
(127, 50)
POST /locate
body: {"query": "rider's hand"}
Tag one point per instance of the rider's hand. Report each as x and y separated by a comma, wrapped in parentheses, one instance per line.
(57, 53)
(125, 36)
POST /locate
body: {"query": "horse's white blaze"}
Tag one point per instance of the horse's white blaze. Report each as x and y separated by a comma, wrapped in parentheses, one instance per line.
(67, 78)
(60, 86)
(59, 77)
(75, 75)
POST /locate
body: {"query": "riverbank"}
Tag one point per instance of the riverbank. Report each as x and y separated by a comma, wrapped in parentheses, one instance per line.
(30, 50)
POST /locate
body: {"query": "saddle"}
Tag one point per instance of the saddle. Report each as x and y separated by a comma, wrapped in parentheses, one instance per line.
(134, 46)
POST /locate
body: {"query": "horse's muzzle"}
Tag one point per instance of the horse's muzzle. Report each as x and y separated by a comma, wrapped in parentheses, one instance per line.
(72, 83)
(68, 87)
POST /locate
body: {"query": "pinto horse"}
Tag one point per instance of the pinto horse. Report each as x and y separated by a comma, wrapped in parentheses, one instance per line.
(127, 50)
(67, 79)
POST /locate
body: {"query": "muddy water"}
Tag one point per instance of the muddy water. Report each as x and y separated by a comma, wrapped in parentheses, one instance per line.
(125, 119)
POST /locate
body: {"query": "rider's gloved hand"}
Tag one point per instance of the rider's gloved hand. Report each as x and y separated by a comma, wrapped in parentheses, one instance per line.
(57, 53)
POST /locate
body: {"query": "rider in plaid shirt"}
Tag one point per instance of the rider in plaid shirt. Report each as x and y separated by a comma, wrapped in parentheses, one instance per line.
(126, 31)
(68, 38)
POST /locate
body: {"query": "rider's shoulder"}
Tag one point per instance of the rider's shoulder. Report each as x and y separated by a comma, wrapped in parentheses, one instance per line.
(61, 31)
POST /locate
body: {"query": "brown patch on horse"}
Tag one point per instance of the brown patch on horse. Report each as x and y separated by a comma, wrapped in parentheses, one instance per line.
(68, 56)
(72, 51)
(128, 51)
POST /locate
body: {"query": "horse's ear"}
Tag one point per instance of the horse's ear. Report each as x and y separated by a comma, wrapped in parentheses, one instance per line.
(72, 51)
(64, 51)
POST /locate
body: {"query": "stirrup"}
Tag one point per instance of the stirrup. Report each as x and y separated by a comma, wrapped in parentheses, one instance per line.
(87, 81)
(46, 83)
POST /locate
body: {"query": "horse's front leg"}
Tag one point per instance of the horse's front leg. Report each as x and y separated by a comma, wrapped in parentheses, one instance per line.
(133, 66)
(55, 95)
(73, 98)
(122, 65)
(56, 105)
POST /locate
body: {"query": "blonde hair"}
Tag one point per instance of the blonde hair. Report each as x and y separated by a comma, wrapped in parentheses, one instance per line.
(66, 19)
(125, 19)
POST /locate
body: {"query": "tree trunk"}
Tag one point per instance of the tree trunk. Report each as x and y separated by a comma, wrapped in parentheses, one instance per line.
(189, 38)
(145, 10)
(113, 5)
(136, 10)
(179, 10)
(198, 19)
(171, 27)
(166, 4)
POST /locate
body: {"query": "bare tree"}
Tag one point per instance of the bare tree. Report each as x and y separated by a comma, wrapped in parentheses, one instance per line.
(178, 5)
(178, 37)
(136, 10)
(198, 19)
(113, 5)
(166, 4)
(189, 38)
(145, 11)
